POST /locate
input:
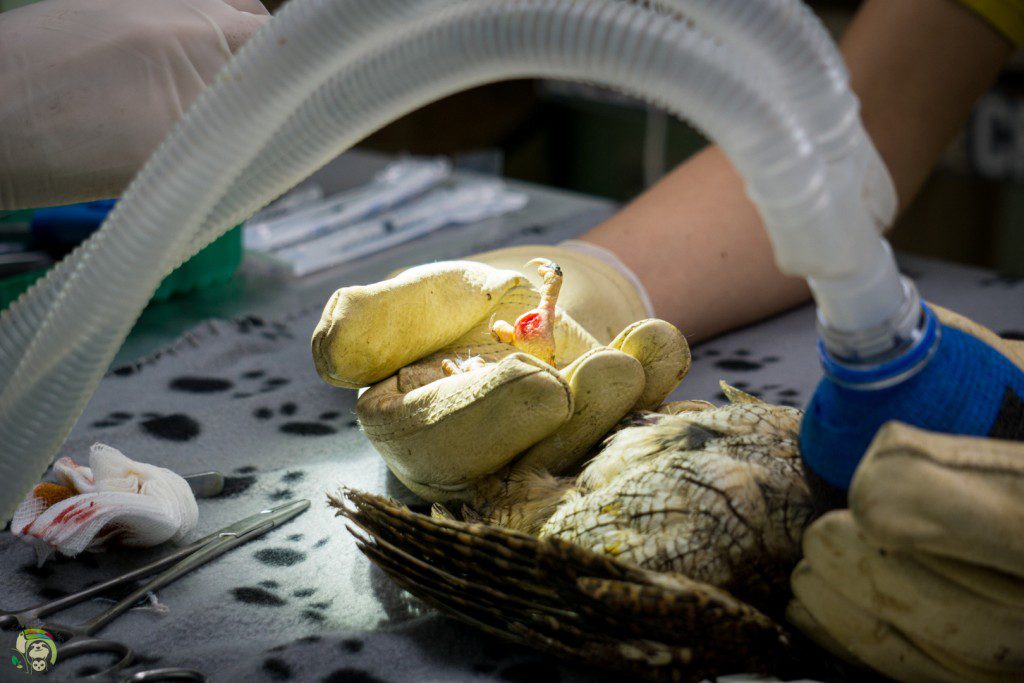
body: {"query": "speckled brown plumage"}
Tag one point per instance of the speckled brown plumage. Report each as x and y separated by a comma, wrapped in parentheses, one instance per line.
(712, 492)
(564, 599)
(629, 565)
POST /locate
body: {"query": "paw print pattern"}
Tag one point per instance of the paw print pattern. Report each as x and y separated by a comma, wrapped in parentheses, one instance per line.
(237, 483)
(268, 594)
(324, 424)
(245, 385)
(283, 556)
(739, 360)
(257, 595)
(773, 393)
(279, 557)
(276, 665)
(285, 493)
(244, 478)
(172, 427)
(260, 327)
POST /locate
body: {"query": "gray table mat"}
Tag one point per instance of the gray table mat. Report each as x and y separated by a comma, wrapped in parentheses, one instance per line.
(301, 603)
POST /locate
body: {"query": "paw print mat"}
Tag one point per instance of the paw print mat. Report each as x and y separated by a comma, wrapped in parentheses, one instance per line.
(301, 603)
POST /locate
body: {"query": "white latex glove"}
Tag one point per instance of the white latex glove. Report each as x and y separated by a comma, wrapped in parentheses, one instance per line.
(90, 88)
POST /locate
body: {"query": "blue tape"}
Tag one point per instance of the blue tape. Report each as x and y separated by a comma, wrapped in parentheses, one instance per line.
(959, 391)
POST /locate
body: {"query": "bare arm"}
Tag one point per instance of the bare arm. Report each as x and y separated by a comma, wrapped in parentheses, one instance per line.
(696, 241)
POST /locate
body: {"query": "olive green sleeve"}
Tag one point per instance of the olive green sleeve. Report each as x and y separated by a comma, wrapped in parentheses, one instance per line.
(1006, 16)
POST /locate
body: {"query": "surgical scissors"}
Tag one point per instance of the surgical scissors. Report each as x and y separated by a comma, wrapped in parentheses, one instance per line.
(78, 640)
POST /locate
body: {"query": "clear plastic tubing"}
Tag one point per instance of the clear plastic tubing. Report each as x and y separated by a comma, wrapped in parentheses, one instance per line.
(320, 77)
(865, 309)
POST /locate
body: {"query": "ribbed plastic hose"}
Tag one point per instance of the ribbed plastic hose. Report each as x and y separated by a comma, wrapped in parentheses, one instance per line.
(312, 83)
(783, 47)
(60, 336)
(857, 288)
(786, 40)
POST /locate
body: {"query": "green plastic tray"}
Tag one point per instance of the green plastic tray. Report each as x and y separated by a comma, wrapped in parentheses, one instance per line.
(214, 264)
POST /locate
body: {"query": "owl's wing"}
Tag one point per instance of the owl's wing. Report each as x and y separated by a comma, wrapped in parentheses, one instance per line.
(561, 598)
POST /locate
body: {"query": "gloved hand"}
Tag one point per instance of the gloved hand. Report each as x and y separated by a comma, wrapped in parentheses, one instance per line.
(923, 577)
(449, 403)
(91, 87)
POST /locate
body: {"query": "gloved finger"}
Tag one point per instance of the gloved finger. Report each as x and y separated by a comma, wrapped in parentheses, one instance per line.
(947, 495)
(440, 437)
(251, 6)
(988, 583)
(605, 384)
(937, 614)
(855, 635)
(663, 353)
(239, 26)
(1014, 350)
(798, 615)
(367, 333)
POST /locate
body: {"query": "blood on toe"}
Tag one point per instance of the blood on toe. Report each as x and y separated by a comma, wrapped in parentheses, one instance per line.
(528, 324)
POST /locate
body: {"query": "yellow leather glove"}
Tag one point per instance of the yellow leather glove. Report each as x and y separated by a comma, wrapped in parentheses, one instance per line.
(922, 578)
(449, 403)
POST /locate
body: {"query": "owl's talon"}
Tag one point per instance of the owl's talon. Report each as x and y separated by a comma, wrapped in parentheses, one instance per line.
(548, 270)
(461, 366)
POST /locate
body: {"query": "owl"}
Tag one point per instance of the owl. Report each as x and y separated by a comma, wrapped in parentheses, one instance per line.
(666, 557)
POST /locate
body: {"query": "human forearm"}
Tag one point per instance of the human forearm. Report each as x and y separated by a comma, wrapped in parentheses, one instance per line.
(697, 244)
(696, 241)
(917, 87)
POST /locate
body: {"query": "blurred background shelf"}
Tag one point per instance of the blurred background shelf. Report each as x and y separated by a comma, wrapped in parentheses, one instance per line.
(589, 141)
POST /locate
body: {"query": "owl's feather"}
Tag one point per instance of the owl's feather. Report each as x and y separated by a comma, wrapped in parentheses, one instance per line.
(559, 597)
(638, 564)
(715, 493)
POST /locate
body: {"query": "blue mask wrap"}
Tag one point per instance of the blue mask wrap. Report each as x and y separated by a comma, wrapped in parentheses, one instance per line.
(949, 382)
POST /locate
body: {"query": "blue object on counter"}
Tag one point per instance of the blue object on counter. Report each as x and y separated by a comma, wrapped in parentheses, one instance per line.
(59, 229)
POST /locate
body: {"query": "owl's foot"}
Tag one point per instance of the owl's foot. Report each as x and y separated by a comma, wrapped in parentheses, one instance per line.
(534, 331)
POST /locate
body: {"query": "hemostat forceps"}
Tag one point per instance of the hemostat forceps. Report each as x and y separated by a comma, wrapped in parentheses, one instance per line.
(78, 640)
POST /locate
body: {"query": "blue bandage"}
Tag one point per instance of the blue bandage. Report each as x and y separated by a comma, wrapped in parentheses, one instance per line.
(966, 387)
